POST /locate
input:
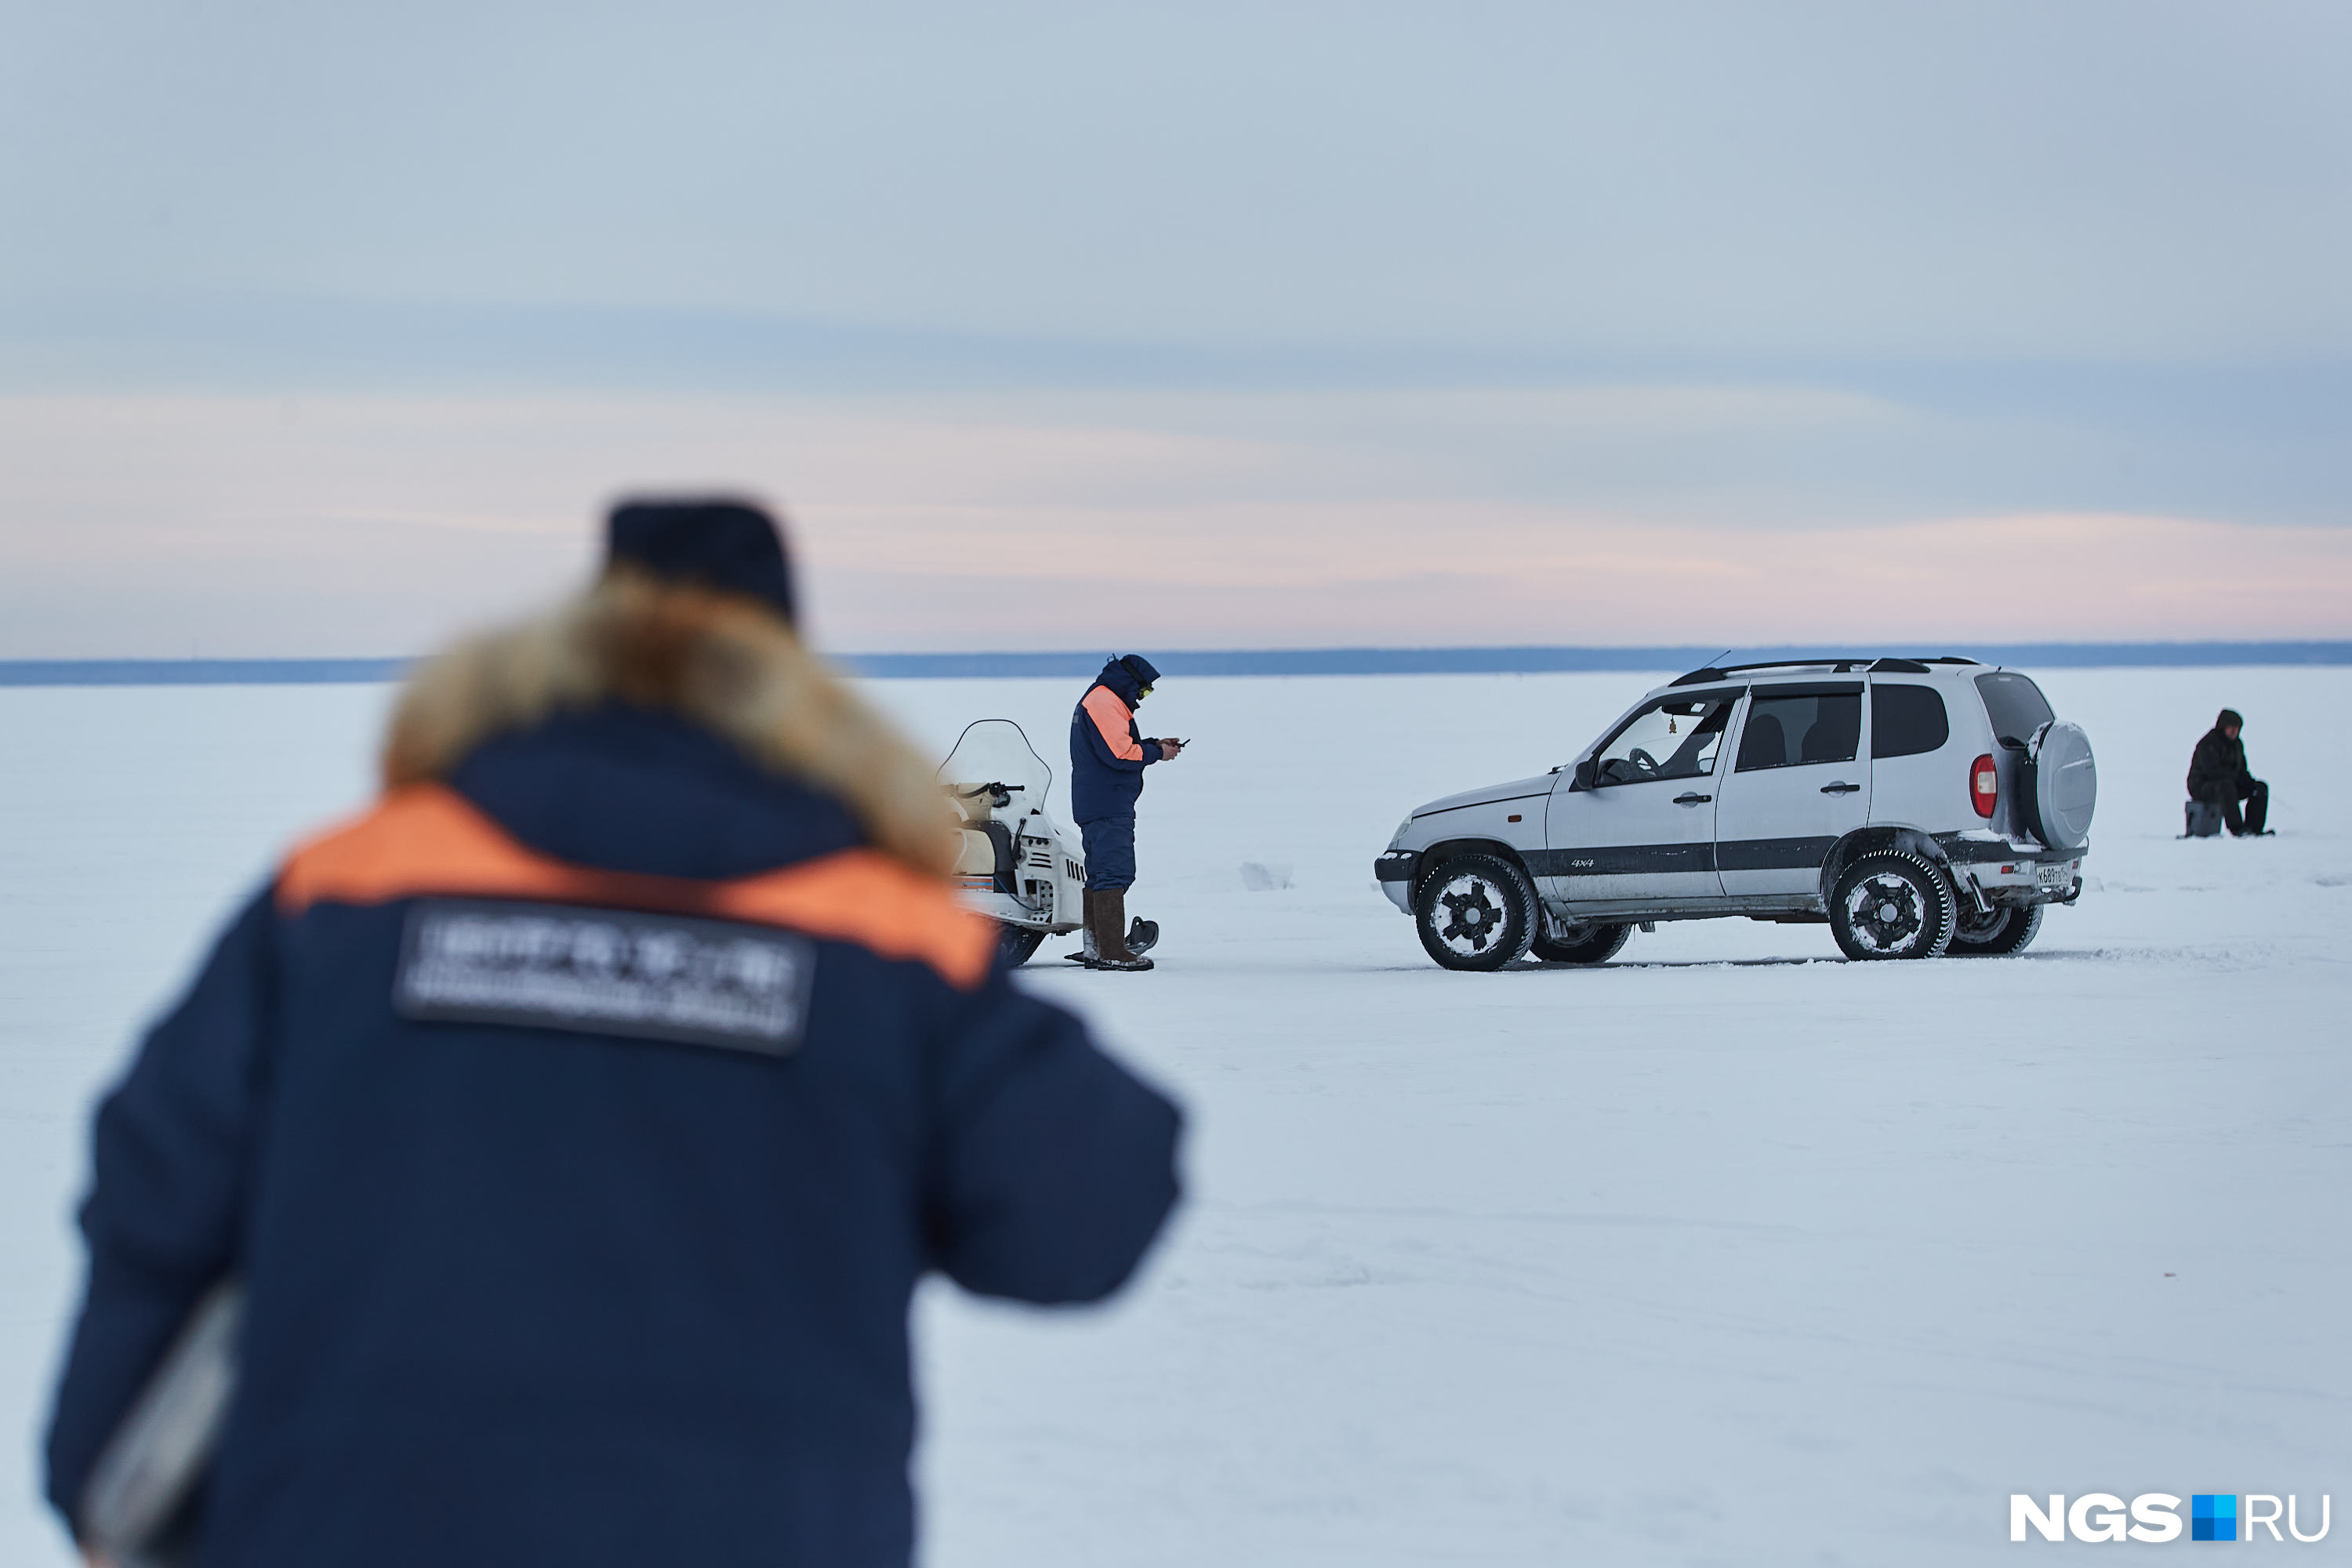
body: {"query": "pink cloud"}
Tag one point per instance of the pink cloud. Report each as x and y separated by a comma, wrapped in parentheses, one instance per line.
(266, 526)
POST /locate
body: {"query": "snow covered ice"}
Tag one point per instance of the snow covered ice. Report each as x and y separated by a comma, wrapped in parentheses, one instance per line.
(1728, 1252)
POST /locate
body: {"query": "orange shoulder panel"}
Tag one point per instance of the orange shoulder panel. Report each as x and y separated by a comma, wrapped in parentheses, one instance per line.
(427, 839)
(1115, 720)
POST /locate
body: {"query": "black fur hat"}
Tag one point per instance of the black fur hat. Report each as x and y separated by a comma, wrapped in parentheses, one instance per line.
(729, 546)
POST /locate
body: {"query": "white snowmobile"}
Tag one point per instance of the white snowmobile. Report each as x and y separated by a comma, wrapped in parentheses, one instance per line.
(1020, 866)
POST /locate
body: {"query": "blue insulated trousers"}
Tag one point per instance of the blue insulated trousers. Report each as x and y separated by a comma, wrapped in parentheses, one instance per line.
(1111, 853)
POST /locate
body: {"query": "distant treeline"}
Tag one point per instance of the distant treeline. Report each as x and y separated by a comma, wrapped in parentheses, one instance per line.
(1261, 662)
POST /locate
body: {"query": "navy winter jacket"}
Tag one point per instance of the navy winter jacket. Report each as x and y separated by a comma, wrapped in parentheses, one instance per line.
(2217, 768)
(525, 1293)
(1107, 752)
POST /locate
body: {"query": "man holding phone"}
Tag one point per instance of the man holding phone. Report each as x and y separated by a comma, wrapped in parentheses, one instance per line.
(1107, 755)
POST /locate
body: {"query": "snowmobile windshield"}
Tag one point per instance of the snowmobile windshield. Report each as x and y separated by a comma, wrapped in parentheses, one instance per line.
(994, 769)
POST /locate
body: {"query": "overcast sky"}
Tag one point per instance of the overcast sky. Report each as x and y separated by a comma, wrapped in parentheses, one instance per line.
(323, 330)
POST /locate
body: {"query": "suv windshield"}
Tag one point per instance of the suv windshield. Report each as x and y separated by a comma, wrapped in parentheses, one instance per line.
(2014, 704)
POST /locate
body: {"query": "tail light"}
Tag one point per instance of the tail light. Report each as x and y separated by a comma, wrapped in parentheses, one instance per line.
(1984, 786)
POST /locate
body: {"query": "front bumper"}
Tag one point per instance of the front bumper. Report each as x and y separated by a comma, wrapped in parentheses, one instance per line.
(1396, 871)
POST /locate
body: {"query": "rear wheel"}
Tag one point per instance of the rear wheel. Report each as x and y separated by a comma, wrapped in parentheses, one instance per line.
(2009, 928)
(1894, 904)
(1476, 912)
(1588, 945)
(1016, 943)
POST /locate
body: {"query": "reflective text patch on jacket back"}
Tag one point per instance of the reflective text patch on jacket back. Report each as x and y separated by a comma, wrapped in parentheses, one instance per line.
(605, 972)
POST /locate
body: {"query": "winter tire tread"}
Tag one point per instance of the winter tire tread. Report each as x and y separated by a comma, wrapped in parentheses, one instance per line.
(2014, 934)
(1937, 914)
(1504, 889)
(1602, 945)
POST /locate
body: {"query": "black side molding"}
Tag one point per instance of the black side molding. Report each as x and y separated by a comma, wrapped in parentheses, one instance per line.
(1969, 851)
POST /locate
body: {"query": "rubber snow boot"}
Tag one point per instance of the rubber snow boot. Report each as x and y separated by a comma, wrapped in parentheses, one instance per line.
(1110, 947)
(1088, 951)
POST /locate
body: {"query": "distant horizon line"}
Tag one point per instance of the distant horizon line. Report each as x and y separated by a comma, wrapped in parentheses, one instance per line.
(1522, 660)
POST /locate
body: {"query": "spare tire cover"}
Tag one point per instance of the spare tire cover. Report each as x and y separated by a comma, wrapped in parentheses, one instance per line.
(2065, 785)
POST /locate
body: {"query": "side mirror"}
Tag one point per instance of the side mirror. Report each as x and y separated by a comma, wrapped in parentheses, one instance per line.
(1584, 773)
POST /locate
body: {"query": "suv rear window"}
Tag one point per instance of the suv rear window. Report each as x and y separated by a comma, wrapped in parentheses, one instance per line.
(2014, 704)
(1907, 720)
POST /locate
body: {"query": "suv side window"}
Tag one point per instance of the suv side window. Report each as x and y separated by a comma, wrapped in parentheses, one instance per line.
(1790, 728)
(1673, 738)
(1907, 720)
(2014, 704)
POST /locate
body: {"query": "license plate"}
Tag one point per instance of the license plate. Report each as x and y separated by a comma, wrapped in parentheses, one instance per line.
(2053, 876)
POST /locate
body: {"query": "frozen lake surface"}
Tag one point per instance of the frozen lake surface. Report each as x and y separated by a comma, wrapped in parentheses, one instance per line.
(1728, 1252)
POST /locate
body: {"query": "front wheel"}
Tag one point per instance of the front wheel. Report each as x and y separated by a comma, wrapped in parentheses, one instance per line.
(1015, 944)
(1893, 905)
(1476, 912)
(2005, 930)
(1590, 945)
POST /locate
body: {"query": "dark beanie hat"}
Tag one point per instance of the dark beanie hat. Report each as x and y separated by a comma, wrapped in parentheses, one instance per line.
(2228, 717)
(1139, 666)
(728, 545)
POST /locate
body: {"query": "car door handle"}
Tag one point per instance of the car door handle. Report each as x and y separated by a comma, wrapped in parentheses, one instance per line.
(1839, 788)
(1693, 799)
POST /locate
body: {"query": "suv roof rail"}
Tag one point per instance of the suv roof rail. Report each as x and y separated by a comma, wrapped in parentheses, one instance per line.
(1892, 665)
(1723, 671)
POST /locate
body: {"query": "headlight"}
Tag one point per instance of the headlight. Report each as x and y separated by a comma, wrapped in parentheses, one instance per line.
(1398, 836)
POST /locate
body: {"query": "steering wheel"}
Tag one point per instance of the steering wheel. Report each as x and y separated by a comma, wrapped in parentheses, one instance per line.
(1642, 760)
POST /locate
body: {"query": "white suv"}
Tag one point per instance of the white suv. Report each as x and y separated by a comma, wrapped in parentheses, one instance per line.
(1919, 807)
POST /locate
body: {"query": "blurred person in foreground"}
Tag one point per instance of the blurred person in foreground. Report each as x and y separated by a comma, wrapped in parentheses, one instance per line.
(581, 1118)
(2218, 776)
(1109, 753)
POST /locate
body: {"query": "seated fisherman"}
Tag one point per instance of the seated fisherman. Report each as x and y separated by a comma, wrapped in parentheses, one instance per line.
(2218, 776)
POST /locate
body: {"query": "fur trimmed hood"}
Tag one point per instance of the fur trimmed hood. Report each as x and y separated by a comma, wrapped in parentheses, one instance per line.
(721, 661)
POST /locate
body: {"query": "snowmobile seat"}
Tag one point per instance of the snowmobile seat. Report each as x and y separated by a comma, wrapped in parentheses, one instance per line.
(999, 843)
